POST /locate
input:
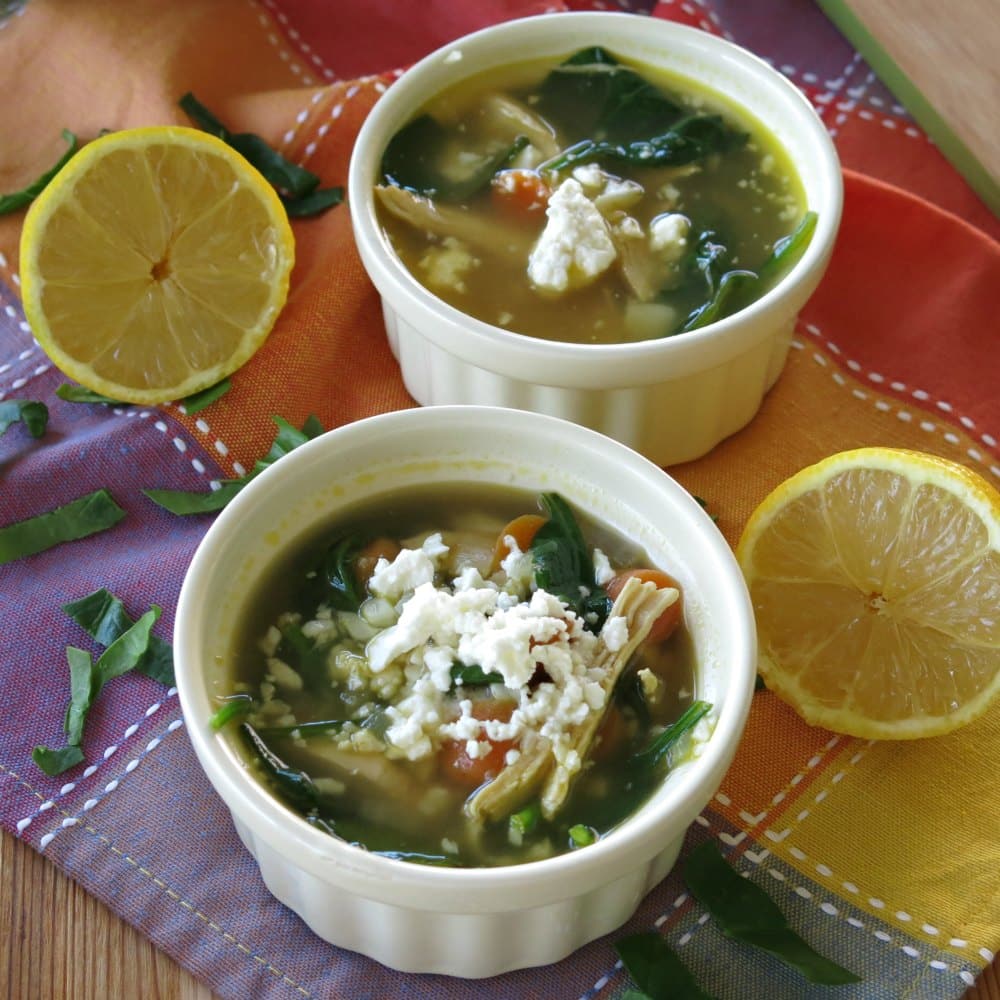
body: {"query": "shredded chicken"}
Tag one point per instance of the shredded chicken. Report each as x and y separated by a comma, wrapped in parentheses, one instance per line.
(513, 118)
(640, 604)
(447, 220)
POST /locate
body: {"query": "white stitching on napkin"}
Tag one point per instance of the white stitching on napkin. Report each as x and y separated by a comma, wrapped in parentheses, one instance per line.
(70, 821)
(107, 754)
(306, 50)
(283, 53)
(899, 411)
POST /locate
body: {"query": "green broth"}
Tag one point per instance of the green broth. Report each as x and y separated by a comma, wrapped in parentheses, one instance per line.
(413, 809)
(738, 203)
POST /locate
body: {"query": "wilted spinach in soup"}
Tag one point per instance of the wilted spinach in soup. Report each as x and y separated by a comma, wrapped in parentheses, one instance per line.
(465, 677)
(591, 201)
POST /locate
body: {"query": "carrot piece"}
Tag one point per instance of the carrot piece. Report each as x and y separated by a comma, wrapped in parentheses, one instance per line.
(367, 557)
(470, 772)
(670, 619)
(520, 193)
(523, 530)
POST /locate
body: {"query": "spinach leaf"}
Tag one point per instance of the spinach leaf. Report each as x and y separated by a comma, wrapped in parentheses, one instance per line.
(656, 969)
(294, 182)
(199, 400)
(86, 682)
(660, 748)
(34, 414)
(103, 617)
(77, 394)
(12, 202)
(85, 516)
(594, 95)
(473, 675)
(563, 564)
(788, 250)
(745, 912)
(296, 788)
(410, 162)
(692, 138)
(234, 707)
(731, 290)
(340, 582)
(183, 502)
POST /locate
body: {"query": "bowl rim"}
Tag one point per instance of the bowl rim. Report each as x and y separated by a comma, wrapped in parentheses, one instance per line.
(640, 362)
(391, 880)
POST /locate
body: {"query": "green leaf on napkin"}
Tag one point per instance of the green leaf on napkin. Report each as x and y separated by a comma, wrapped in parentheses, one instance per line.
(12, 202)
(78, 394)
(104, 618)
(87, 515)
(183, 502)
(72, 393)
(199, 400)
(299, 187)
(86, 680)
(656, 969)
(745, 912)
(34, 414)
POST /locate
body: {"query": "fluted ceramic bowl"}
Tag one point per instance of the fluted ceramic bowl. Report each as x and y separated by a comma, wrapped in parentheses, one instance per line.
(468, 922)
(672, 399)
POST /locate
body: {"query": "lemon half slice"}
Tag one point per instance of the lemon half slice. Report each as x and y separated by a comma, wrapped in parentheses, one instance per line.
(875, 580)
(154, 264)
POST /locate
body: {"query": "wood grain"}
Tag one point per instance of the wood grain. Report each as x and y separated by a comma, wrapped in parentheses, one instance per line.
(929, 40)
(63, 943)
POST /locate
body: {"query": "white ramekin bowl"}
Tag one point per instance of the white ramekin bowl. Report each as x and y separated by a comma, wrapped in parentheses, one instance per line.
(479, 921)
(671, 399)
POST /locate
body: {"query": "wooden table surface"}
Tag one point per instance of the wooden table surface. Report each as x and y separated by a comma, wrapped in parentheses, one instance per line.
(62, 944)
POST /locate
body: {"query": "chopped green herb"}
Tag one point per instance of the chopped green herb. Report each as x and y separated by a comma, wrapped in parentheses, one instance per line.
(85, 516)
(183, 502)
(295, 787)
(745, 912)
(199, 400)
(473, 675)
(54, 762)
(12, 202)
(295, 183)
(581, 835)
(656, 969)
(86, 682)
(314, 203)
(524, 821)
(103, 617)
(788, 249)
(336, 572)
(661, 747)
(234, 708)
(34, 414)
(78, 394)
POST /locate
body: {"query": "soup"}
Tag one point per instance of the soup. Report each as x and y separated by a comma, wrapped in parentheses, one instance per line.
(461, 679)
(591, 201)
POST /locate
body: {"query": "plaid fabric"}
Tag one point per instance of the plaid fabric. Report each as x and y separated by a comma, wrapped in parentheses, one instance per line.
(884, 855)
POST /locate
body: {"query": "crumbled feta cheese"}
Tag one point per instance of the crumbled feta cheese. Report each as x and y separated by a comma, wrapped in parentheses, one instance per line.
(408, 570)
(615, 633)
(668, 235)
(575, 247)
(590, 176)
(445, 265)
(602, 568)
(283, 675)
(618, 194)
(649, 681)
